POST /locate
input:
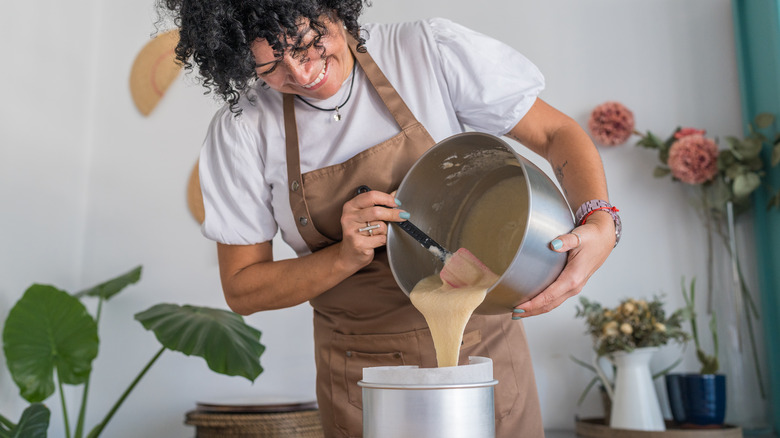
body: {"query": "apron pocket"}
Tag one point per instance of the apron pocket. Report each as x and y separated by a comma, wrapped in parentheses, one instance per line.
(348, 356)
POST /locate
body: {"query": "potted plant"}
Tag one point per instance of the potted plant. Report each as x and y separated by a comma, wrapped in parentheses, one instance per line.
(633, 329)
(721, 182)
(49, 333)
(698, 400)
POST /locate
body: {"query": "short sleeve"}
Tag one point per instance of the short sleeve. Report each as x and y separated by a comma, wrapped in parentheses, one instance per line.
(492, 86)
(236, 197)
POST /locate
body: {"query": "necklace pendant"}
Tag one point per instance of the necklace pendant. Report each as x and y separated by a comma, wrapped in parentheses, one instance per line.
(337, 115)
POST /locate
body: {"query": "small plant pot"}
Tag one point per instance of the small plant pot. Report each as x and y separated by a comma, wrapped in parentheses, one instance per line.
(697, 400)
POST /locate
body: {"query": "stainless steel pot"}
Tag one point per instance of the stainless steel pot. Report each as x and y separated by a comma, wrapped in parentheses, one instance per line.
(430, 411)
(440, 191)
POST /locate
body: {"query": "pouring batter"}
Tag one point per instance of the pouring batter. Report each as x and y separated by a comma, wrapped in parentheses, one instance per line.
(315, 108)
(447, 301)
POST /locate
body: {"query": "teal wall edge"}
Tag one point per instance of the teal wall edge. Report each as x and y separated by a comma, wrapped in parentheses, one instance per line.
(757, 37)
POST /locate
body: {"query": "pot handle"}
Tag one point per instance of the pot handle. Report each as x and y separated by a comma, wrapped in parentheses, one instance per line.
(604, 380)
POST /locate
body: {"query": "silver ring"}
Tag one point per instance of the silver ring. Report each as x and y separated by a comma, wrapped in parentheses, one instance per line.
(579, 239)
(370, 228)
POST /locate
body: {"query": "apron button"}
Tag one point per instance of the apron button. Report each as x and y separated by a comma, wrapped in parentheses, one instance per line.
(303, 220)
(349, 354)
(294, 186)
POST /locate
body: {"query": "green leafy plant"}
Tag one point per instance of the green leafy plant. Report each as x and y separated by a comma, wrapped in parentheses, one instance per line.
(51, 340)
(709, 363)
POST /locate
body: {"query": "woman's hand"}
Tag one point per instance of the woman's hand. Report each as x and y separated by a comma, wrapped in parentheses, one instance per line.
(586, 254)
(364, 226)
(252, 281)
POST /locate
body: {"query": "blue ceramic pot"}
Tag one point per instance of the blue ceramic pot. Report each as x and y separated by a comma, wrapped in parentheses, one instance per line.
(697, 400)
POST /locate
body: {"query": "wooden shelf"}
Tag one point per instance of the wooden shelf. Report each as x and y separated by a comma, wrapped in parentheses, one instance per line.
(595, 428)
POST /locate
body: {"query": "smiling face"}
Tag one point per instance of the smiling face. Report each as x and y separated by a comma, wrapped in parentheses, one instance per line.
(318, 73)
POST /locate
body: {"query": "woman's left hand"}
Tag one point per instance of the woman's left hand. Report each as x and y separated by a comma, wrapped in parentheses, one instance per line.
(586, 254)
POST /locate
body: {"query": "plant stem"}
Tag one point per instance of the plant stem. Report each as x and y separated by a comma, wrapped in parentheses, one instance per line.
(6, 422)
(99, 428)
(708, 225)
(747, 295)
(754, 348)
(731, 244)
(85, 393)
(82, 412)
(64, 405)
(694, 324)
(750, 310)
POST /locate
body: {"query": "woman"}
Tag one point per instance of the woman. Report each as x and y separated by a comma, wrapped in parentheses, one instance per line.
(310, 117)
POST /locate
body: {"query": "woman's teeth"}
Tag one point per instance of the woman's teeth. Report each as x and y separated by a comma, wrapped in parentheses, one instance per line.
(319, 76)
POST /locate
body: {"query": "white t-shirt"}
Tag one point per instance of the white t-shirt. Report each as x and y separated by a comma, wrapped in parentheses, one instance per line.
(449, 76)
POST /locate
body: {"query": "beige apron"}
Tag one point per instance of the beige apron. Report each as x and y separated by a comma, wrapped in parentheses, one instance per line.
(366, 320)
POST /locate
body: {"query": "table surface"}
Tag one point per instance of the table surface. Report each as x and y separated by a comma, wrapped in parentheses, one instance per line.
(559, 434)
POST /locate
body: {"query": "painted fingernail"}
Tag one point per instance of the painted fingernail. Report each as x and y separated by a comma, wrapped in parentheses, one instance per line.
(557, 244)
(397, 202)
(518, 311)
(516, 318)
(405, 215)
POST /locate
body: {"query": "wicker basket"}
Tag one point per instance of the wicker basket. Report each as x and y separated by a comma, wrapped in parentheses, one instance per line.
(294, 424)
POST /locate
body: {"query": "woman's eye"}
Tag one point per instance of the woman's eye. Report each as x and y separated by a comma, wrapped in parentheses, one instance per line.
(267, 72)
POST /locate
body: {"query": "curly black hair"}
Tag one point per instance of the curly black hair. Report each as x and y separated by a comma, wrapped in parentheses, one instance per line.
(216, 35)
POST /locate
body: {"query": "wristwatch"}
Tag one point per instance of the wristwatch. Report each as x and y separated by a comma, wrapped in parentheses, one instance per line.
(589, 207)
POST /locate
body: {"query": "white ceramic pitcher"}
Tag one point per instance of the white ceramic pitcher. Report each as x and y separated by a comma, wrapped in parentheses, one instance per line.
(634, 399)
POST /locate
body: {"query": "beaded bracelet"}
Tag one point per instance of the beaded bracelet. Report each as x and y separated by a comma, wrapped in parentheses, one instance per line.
(594, 205)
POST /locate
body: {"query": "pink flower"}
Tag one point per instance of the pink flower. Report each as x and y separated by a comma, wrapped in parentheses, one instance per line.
(693, 159)
(611, 123)
(684, 132)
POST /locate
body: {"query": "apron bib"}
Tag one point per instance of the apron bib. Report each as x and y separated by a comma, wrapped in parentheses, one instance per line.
(367, 320)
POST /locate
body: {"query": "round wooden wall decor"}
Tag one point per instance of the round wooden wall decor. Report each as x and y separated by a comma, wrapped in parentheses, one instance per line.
(195, 197)
(153, 71)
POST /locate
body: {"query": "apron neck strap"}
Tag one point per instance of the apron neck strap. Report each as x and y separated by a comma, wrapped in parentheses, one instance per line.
(393, 101)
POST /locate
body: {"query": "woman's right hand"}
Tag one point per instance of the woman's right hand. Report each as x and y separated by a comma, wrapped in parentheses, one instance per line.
(364, 226)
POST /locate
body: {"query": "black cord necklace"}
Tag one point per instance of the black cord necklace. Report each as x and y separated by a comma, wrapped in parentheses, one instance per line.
(336, 116)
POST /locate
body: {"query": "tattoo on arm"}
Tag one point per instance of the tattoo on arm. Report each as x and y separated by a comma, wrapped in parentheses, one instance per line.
(559, 175)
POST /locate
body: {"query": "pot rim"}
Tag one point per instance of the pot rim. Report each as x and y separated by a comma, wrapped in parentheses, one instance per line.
(376, 385)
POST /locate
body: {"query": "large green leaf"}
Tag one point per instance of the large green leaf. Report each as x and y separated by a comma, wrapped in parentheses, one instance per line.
(108, 289)
(221, 337)
(33, 424)
(47, 329)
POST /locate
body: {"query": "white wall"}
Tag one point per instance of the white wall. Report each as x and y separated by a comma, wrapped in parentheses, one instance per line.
(47, 75)
(102, 188)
